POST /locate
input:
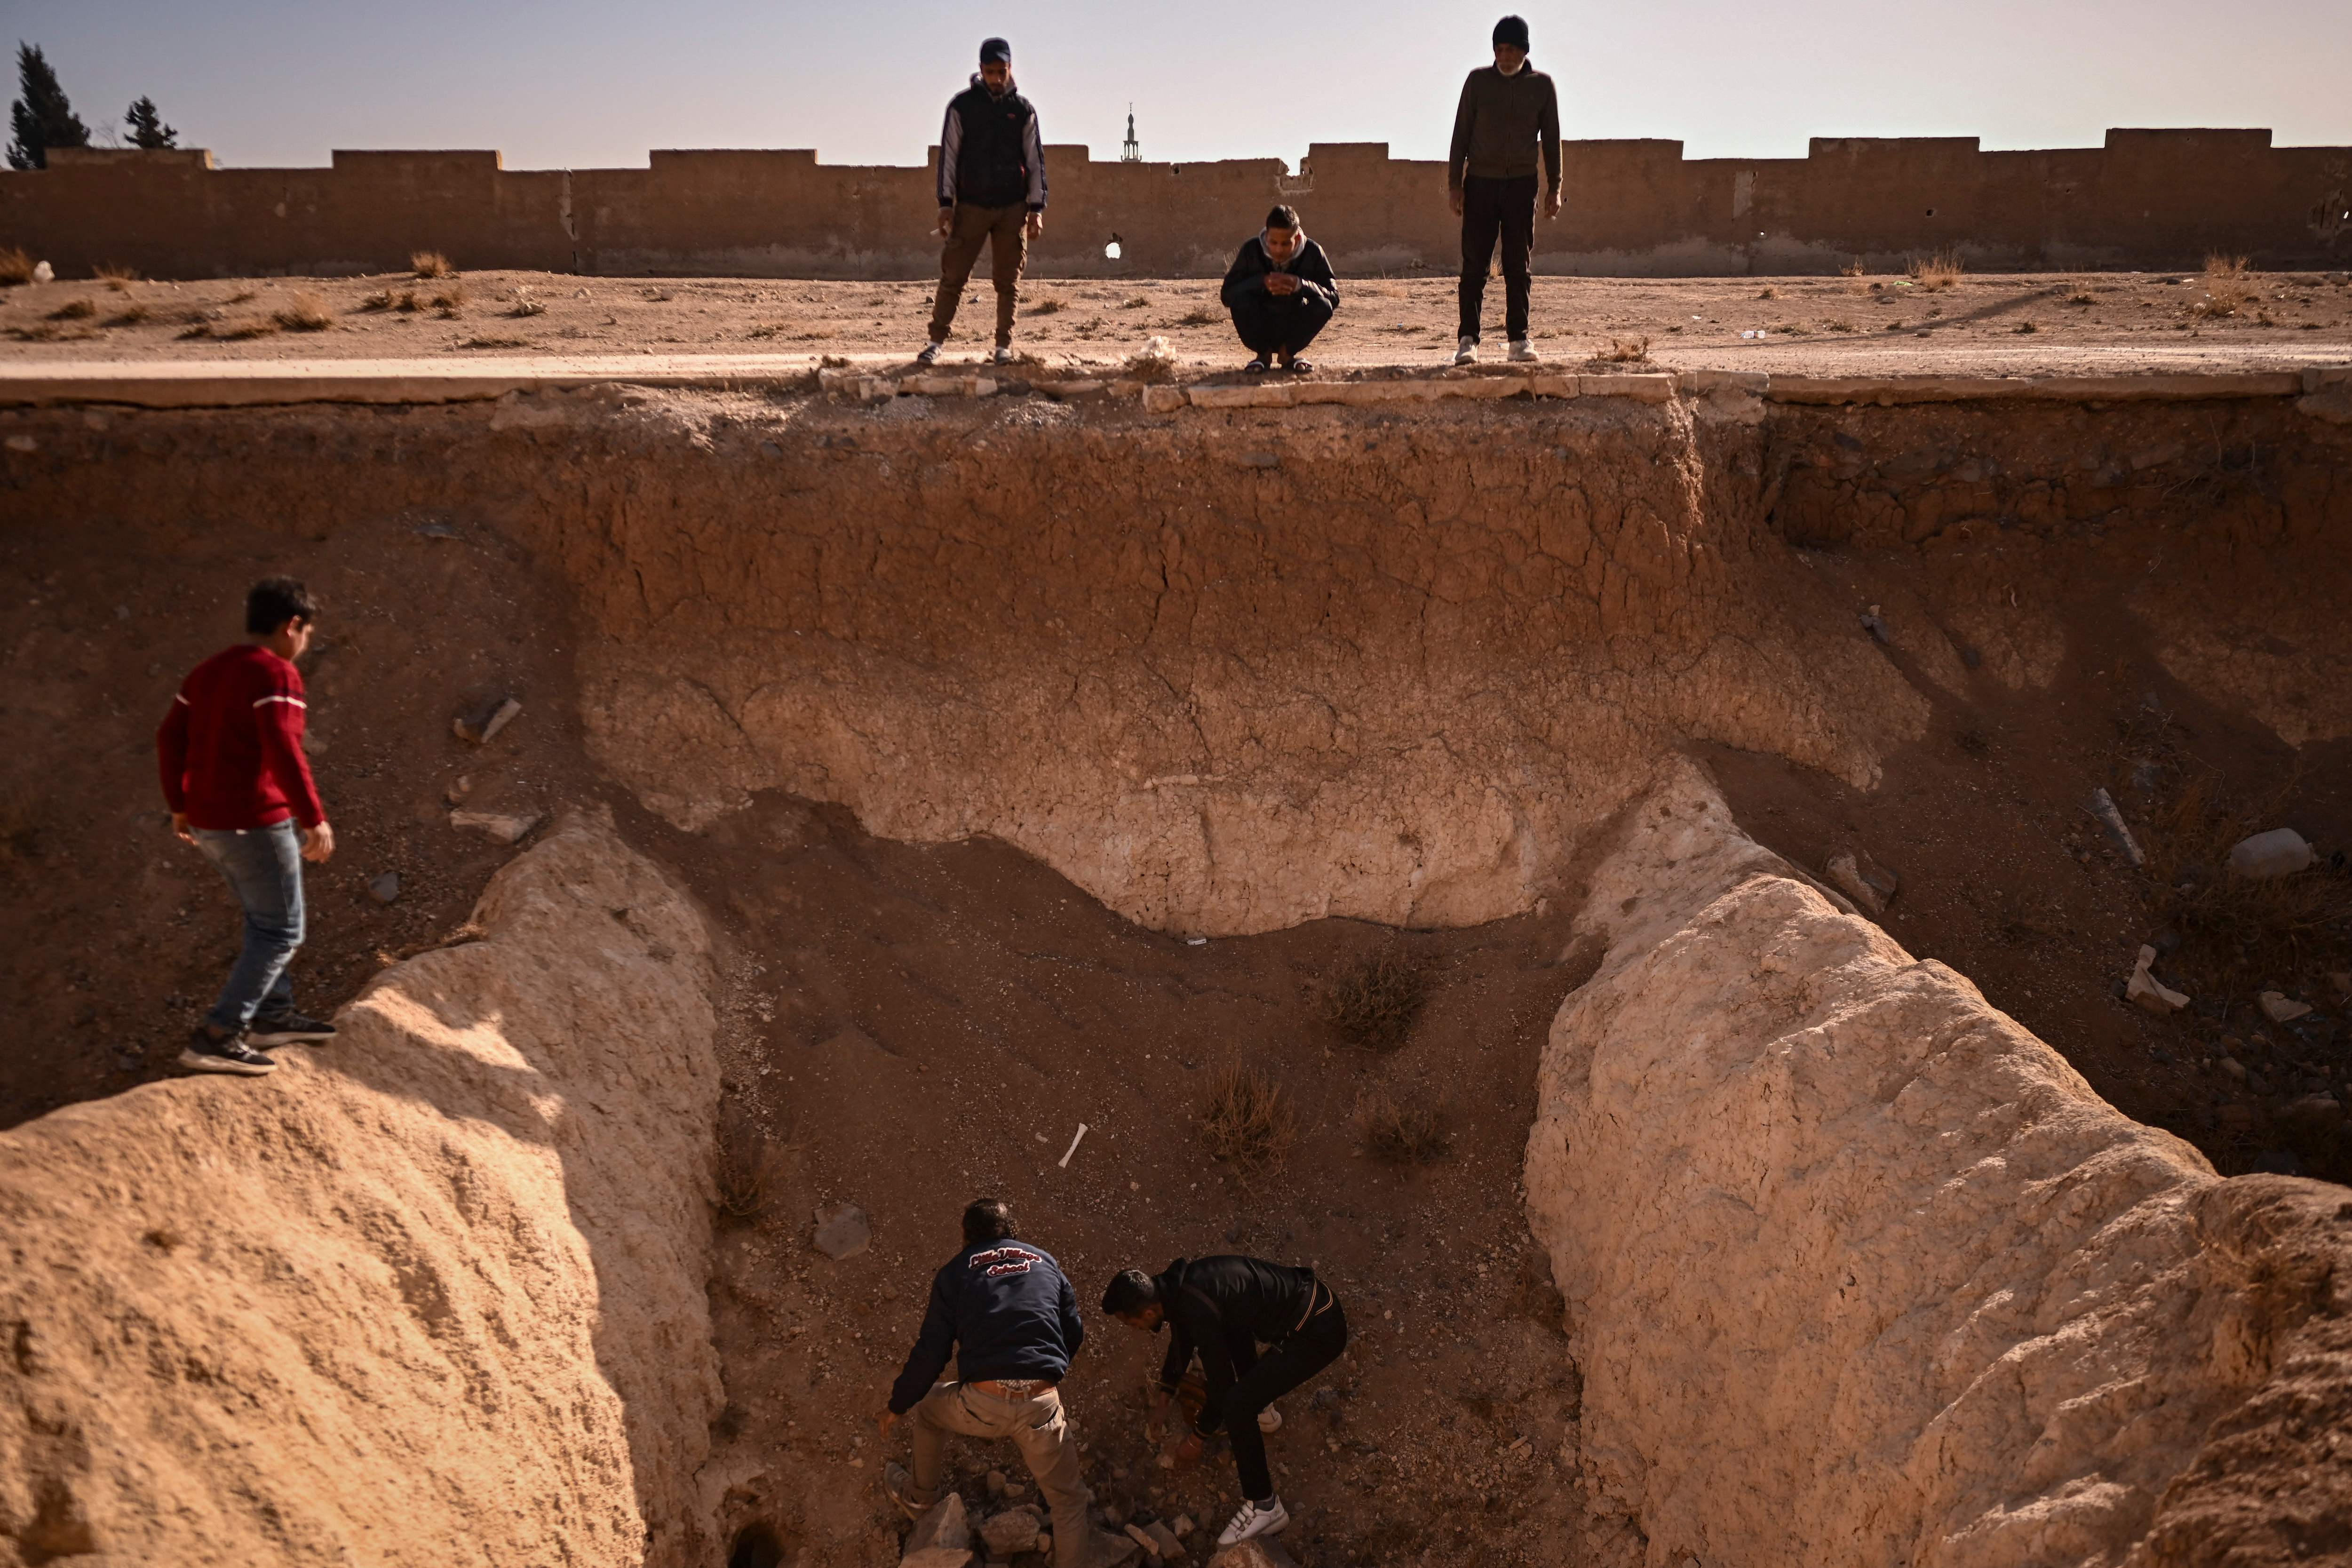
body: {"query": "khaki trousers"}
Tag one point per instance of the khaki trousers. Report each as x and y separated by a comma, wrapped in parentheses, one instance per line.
(1037, 1430)
(1001, 231)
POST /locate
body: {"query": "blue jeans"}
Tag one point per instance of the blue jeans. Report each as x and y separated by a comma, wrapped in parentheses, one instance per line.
(263, 866)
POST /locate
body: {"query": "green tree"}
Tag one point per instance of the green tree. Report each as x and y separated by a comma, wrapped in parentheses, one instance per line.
(147, 127)
(42, 119)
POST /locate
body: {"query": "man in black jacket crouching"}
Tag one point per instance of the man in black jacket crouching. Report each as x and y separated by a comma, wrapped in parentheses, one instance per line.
(1223, 1308)
(1006, 1311)
(1281, 292)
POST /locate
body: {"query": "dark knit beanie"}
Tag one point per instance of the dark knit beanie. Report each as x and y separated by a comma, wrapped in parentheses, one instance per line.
(1513, 31)
(993, 50)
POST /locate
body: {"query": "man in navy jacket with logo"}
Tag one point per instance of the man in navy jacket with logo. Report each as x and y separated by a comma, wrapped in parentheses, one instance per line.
(1004, 1310)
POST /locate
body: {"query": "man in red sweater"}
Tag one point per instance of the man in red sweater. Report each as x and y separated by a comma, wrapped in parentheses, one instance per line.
(240, 790)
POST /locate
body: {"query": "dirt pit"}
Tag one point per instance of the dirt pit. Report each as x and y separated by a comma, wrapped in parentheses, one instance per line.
(1032, 765)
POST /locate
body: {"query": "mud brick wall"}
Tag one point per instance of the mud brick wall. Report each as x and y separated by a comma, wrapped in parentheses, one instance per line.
(2147, 199)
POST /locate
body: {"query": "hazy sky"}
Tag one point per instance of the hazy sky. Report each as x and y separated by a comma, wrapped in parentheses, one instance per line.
(595, 83)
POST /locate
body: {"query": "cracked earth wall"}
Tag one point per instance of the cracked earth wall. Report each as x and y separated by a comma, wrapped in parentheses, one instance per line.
(437, 1299)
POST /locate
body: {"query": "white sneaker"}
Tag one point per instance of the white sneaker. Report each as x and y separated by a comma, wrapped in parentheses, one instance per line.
(1269, 1420)
(930, 355)
(1270, 1519)
(1004, 354)
(1468, 353)
(1522, 350)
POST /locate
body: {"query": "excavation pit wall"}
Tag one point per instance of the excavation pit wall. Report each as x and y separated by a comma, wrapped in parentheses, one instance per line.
(1420, 659)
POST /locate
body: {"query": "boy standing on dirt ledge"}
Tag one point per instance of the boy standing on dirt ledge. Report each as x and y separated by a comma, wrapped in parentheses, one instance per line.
(1507, 109)
(230, 751)
(992, 192)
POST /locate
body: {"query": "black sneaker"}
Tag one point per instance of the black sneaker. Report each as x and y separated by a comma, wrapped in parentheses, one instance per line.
(289, 1028)
(207, 1054)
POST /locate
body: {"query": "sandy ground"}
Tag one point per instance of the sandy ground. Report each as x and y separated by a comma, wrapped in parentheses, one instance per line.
(2038, 323)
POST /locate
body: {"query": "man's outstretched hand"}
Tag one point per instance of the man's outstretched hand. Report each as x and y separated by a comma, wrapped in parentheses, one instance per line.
(317, 843)
(884, 1422)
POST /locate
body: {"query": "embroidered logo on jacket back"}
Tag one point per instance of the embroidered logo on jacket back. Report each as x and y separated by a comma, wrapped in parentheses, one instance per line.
(999, 1261)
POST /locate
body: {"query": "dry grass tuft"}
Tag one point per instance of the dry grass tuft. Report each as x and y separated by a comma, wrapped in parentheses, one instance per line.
(1045, 306)
(2228, 287)
(739, 1167)
(16, 265)
(2029, 326)
(1853, 268)
(238, 331)
(1135, 302)
(1626, 351)
(79, 309)
(131, 315)
(1199, 316)
(431, 264)
(1941, 270)
(2080, 297)
(1375, 1003)
(1246, 1120)
(118, 277)
(1410, 1134)
(1768, 293)
(305, 312)
(496, 344)
(1837, 326)
(450, 301)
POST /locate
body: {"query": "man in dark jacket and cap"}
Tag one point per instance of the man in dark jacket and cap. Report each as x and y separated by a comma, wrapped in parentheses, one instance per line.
(1281, 292)
(991, 193)
(1508, 110)
(1011, 1319)
(1222, 1309)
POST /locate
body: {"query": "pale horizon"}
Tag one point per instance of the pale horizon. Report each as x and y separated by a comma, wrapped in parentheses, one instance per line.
(267, 83)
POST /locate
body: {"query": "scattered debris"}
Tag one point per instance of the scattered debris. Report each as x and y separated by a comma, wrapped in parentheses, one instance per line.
(1064, 1161)
(2239, 1117)
(1014, 1530)
(843, 1231)
(1876, 627)
(996, 1483)
(45, 273)
(2281, 852)
(2148, 992)
(383, 889)
(456, 793)
(2278, 1009)
(1255, 1554)
(1184, 1526)
(482, 728)
(2103, 807)
(2319, 1113)
(499, 825)
(1865, 880)
(1158, 1541)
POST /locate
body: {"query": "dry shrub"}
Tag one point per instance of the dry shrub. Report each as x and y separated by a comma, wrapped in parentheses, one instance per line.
(739, 1166)
(1839, 326)
(115, 276)
(2228, 287)
(2029, 326)
(1941, 270)
(1768, 293)
(2080, 297)
(1411, 1132)
(496, 344)
(1045, 306)
(431, 264)
(1626, 351)
(1246, 1120)
(16, 265)
(1136, 302)
(1199, 316)
(2240, 933)
(305, 312)
(131, 315)
(243, 297)
(450, 301)
(1851, 269)
(1375, 1002)
(237, 331)
(404, 300)
(79, 309)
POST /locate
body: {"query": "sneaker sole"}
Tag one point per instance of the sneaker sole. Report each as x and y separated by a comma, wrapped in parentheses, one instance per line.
(289, 1038)
(197, 1061)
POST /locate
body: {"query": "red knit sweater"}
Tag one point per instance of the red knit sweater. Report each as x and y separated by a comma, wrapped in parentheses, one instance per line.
(231, 747)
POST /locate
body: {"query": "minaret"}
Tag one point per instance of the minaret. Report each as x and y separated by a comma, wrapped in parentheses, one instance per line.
(1128, 152)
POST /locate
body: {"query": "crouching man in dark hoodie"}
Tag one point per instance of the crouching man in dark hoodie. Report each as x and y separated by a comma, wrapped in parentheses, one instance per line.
(1281, 292)
(1223, 1309)
(1004, 1310)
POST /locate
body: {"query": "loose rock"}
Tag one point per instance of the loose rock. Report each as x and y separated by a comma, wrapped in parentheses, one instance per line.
(1869, 884)
(383, 889)
(501, 825)
(2103, 807)
(2281, 852)
(844, 1231)
(1258, 1553)
(481, 729)
(941, 1537)
(1014, 1530)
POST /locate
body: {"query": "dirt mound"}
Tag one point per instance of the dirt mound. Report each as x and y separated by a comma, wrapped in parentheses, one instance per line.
(1828, 1223)
(431, 1295)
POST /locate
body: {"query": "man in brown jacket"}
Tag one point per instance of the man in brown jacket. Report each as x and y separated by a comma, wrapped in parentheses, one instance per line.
(1507, 109)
